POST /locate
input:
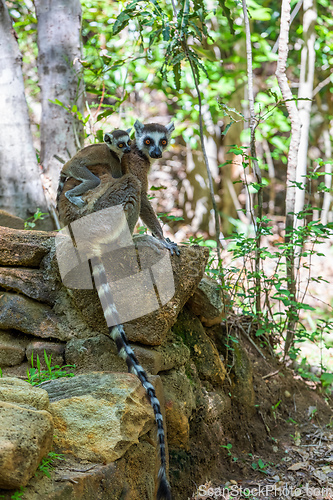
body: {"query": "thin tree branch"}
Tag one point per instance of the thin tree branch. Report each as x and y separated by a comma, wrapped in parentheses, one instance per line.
(174, 8)
(322, 84)
(292, 164)
(256, 169)
(292, 17)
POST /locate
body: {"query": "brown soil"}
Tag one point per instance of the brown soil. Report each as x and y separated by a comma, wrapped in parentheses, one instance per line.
(289, 426)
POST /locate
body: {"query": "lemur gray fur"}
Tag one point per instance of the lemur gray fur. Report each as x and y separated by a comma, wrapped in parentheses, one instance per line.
(109, 154)
(150, 142)
(130, 191)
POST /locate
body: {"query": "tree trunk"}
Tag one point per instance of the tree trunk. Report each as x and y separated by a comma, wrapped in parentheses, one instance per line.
(229, 206)
(59, 52)
(21, 191)
(196, 191)
(291, 166)
(326, 215)
(308, 57)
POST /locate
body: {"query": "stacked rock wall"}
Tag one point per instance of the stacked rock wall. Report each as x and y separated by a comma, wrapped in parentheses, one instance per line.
(39, 315)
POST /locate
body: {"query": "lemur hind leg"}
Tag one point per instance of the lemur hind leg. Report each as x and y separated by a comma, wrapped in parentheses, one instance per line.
(89, 181)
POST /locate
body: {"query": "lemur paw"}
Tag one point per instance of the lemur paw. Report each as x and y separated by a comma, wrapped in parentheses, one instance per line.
(150, 241)
(76, 200)
(170, 245)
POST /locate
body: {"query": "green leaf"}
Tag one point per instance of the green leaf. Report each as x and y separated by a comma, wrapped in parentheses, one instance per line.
(100, 135)
(56, 101)
(153, 35)
(121, 22)
(236, 151)
(226, 130)
(259, 13)
(177, 75)
(106, 113)
(227, 13)
(208, 54)
(305, 307)
(166, 33)
(326, 379)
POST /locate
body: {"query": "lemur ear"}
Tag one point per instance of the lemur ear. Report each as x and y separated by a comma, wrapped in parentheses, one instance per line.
(108, 138)
(129, 130)
(138, 126)
(170, 127)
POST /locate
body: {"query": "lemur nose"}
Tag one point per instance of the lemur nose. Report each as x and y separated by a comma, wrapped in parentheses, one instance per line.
(156, 154)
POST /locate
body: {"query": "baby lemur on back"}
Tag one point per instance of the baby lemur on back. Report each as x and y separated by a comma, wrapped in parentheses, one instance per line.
(107, 154)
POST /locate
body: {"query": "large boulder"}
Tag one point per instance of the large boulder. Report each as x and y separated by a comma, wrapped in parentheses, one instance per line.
(99, 416)
(12, 348)
(203, 350)
(14, 390)
(152, 328)
(24, 248)
(9, 220)
(209, 302)
(100, 353)
(28, 316)
(33, 283)
(25, 438)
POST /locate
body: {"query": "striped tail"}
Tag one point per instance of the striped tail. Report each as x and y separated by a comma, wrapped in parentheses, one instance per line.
(125, 352)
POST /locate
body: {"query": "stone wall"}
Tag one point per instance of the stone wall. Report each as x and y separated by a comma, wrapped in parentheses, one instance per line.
(102, 415)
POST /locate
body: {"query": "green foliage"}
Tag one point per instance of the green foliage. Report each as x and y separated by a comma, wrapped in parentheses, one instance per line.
(168, 218)
(326, 379)
(278, 306)
(17, 495)
(136, 49)
(36, 375)
(30, 222)
(227, 447)
(260, 466)
(47, 463)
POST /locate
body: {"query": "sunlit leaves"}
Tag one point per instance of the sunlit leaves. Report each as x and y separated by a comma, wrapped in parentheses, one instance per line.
(258, 12)
(227, 13)
(121, 22)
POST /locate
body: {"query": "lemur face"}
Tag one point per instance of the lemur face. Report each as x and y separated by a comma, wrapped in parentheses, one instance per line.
(153, 138)
(118, 141)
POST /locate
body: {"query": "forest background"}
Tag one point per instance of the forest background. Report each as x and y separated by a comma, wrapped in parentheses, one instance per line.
(244, 125)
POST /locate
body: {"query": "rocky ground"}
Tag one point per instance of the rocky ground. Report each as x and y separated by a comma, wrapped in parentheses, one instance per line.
(236, 417)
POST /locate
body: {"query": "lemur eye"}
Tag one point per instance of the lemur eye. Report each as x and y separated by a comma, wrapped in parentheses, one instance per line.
(129, 142)
(147, 142)
(163, 142)
(121, 145)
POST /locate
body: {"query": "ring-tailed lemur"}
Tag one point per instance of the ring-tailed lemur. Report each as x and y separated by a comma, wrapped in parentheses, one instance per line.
(150, 142)
(130, 191)
(109, 153)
